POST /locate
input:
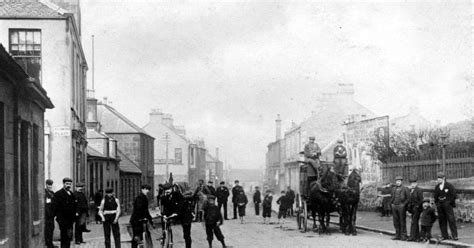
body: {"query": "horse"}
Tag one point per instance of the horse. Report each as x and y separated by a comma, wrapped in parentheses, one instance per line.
(349, 198)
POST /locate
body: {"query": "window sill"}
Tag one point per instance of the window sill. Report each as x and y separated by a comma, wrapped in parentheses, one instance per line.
(36, 227)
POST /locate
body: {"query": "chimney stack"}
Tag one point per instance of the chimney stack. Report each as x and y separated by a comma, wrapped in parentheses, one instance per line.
(167, 120)
(217, 153)
(156, 115)
(278, 127)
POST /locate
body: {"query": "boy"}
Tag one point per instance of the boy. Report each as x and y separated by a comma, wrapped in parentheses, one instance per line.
(241, 201)
(428, 217)
(282, 210)
(213, 219)
(267, 206)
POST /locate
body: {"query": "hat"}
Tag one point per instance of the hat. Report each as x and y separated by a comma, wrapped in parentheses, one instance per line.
(426, 200)
(49, 182)
(167, 186)
(413, 179)
(67, 179)
(398, 178)
(109, 190)
(311, 137)
(79, 185)
(236, 181)
(211, 197)
(440, 174)
(145, 186)
(210, 182)
(222, 183)
(339, 141)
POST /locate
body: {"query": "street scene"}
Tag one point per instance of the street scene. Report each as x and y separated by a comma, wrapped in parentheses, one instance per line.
(237, 123)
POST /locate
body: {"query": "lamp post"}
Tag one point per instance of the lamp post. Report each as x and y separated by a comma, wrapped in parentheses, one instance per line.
(444, 135)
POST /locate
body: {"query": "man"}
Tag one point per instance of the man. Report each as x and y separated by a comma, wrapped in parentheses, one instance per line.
(235, 192)
(340, 160)
(48, 214)
(212, 190)
(81, 213)
(415, 208)
(109, 212)
(97, 200)
(170, 203)
(64, 205)
(445, 200)
(400, 196)
(290, 194)
(140, 213)
(256, 200)
(186, 216)
(222, 194)
(213, 219)
(200, 194)
(312, 153)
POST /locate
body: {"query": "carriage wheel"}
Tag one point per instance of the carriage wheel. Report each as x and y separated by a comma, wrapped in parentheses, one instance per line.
(298, 212)
(304, 216)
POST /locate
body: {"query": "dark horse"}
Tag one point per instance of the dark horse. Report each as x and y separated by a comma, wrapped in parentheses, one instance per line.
(322, 200)
(349, 198)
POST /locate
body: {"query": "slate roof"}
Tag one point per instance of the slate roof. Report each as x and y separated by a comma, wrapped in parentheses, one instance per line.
(93, 134)
(127, 165)
(114, 122)
(30, 9)
(93, 152)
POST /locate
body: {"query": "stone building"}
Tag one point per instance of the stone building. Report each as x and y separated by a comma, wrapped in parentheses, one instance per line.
(197, 162)
(44, 38)
(22, 105)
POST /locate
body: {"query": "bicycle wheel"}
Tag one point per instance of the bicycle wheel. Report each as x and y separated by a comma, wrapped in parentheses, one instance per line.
(147, 240)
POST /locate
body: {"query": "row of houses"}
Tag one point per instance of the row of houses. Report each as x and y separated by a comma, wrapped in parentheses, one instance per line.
(338, 116)
(52, 126)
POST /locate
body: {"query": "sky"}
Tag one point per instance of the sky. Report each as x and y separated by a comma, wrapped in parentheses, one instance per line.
(225, 69)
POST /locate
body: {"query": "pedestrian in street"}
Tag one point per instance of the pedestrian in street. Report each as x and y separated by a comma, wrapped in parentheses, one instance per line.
(386, 194)
(140, 213)
(48, 214)
(414, 208)
(400, 196)
(235, 192)
(427, 219)
(222, 194)
(241, 202)
(445, 200)
(186, 215)
(97, 200)
(312, 153)
(283, 208)
(213, 221)
(210, 186)
(200, 194)
(267, 206)
(256, 200)
(109, 211)
(291, 198)
(64, 205)
(82, 213)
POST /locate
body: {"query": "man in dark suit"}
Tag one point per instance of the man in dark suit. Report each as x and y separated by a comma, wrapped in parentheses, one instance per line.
(415, 208)
(222, 193)
(256, 200)
(48, 214)
(139, 214)
(400, 196)
(211, 188)
(82, 213)
(64, 205)
(235, 192)
(445, 200)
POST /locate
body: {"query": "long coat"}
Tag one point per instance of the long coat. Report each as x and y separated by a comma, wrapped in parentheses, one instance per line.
(140, 209)
(64, 205)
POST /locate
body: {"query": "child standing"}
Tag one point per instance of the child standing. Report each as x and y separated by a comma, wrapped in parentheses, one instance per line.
(213, 219)
(267, 206)
(284, 205)
(241, 201)
(427, 218)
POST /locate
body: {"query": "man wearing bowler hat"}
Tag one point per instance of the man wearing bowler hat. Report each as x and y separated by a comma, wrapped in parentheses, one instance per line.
(400, 196)
(445, 200)
(64, 205)
(414, 208)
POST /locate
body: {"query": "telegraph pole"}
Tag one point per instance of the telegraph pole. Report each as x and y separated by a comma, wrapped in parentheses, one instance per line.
(443, 151)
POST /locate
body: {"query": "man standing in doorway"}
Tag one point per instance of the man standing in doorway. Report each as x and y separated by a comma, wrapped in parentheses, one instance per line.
(235, 192)
(400, 196)
(222, 194)
(48, 214)
(81, 213)
(64, 205)
(256, 200)
(445, 200)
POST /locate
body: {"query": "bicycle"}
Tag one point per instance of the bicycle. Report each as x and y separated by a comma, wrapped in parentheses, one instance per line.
(167, 239)
(147, 241)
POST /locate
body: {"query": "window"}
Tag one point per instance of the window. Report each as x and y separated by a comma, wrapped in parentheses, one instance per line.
(2, 173)
(25, 47)
(178, 156)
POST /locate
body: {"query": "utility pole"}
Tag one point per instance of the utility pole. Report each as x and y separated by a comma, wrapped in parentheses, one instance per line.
(444, 135)
(166, 140)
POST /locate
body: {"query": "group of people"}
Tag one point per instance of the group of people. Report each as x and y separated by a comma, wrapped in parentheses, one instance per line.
(410, 199)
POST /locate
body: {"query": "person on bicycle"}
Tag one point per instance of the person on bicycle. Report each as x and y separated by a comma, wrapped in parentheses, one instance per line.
(213, 219)
(170, 203)
(140, 214)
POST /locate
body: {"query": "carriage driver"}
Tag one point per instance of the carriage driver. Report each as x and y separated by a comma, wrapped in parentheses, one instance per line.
(340, 160)
(311, 154)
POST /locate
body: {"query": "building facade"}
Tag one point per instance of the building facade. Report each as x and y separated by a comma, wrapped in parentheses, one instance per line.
(197, 162)
(214, 168)
(44, 37)
(22, 105)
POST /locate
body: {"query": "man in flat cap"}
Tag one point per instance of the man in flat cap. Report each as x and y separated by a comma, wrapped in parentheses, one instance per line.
(222, 193)
(210, 186)
(340, 160)
(445, 200)
(415, 208)
(170, 203)
(311, 154)
(139, 214)
(64, 205)
(400, 196)
(82, 213)
(48, 214)
(235, 192)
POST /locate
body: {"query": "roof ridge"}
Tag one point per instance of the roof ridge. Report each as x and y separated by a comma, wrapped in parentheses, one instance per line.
(125, 119)
(53, 6)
